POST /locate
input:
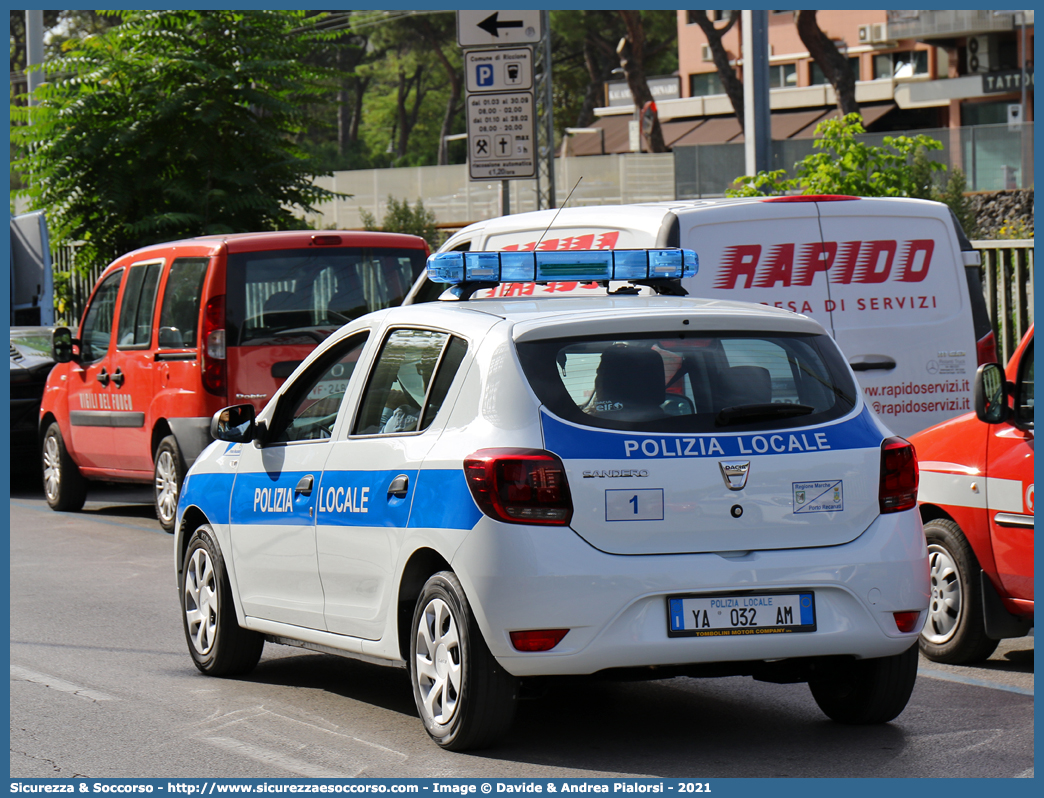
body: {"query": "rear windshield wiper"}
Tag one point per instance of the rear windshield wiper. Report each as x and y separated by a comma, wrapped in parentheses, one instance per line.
(759, 412)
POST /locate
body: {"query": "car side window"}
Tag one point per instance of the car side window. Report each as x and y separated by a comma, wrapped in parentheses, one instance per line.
(136, 309)
(179, 315)
(307, 412)
(409, 382)
(1024, 389)
(96, 331)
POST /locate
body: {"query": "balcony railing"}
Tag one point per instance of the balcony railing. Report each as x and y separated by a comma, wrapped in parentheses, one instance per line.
(938, 24)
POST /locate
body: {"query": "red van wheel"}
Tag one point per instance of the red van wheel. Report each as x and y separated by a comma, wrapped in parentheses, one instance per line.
(168, 475)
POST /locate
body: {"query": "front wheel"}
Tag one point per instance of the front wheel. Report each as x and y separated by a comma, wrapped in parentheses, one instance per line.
(218, 644)
(168, 476)
(64, 486)
(465, 698)
(866, 691)
(955, 632)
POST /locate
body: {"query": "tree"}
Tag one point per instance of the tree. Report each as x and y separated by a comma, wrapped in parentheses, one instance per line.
(631, 50)
(401, 218)
(732, 84)
(170, 124)
(834, 65)
(842, 164)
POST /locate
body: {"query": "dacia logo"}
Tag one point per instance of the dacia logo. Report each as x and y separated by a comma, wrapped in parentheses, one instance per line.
(735, 473)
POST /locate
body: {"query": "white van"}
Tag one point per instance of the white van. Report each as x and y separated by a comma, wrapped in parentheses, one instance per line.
(894, 280)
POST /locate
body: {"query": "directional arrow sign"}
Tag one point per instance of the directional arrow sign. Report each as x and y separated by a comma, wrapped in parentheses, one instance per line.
(485, 28)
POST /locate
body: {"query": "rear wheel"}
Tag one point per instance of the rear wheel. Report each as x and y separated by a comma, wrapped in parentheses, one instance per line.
(955, 631)
(866, 691)
(169, 474)
(64, 486)
(218, 644)
(465, 698)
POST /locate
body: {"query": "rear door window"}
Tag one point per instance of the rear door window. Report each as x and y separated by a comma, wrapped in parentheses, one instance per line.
(179, 315)
(691, 382)
(409, 383)
(301, 296)
(139, 302)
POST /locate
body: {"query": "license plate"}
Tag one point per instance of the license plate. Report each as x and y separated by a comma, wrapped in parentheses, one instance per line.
(740, 614)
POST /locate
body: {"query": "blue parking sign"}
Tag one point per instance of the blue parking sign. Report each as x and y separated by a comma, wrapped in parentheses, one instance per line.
(484, 74)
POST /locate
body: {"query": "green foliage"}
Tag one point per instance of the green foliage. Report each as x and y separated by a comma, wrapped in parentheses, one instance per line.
(401, 218)
(172, 124)
(844, 165)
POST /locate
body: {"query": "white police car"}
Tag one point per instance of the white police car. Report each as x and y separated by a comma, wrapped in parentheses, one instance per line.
(485, 491)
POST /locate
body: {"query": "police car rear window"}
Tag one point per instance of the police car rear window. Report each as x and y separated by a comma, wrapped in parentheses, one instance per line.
(692, 382)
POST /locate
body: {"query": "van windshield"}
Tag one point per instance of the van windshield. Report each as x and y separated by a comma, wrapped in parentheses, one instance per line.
(301, 296)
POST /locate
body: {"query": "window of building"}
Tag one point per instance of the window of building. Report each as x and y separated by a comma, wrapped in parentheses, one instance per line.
(905, 64)
(704, 83)
(817, 78)
(782, 76)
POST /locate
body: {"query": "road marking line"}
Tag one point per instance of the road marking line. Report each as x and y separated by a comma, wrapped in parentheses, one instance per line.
(952, 677)
(21, 674)
(267, 757)
(1026, 774)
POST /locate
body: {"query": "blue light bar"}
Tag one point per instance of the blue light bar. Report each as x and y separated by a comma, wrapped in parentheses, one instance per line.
(596, 265)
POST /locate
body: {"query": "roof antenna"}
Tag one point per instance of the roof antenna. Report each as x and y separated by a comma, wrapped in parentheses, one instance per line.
(537, 244)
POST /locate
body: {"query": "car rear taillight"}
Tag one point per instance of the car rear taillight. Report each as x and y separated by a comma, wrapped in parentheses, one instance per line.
(906, 621)
(898, 489)
(537, 639)
(215, 374)
(519, 486)
(986, 349)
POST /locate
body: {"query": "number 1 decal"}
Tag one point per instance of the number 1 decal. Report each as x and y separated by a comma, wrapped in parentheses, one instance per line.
(642, 504)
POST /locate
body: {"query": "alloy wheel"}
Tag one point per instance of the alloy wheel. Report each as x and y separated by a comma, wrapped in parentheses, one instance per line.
(439, 671)
(201, 601)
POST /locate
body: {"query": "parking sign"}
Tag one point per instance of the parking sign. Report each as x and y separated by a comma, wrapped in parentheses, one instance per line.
(503, 69)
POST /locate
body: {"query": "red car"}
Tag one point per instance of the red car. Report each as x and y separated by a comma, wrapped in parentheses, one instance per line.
(176, 331)
(976, 496)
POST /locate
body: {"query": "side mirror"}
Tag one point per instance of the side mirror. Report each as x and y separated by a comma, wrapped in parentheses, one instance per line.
(991, 394)
(62, 345)
(170, 338)
(234, 424)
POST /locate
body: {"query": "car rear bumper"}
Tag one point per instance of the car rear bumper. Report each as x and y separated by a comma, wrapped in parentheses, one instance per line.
(523, 577)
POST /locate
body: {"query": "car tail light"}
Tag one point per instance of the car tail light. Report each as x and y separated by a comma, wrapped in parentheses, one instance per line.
(986, 349)
(898, 489)
(519, 486)
(326, 241)
(537, 639)
(811, 198)
(906, 621)
(215, 374)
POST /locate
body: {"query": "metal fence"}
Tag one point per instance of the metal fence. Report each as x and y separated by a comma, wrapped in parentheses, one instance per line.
(1007, 270)
(992, 157)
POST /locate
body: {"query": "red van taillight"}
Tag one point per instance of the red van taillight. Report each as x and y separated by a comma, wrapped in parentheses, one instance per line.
(519, 486)
(215, 372)
(986, 349)
(898, 489)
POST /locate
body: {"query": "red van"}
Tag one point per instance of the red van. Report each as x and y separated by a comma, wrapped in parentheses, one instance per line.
(976, 497)
(174, 332)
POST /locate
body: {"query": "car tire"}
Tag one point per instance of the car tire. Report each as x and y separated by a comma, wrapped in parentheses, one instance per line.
(168, 477)
(866, 691)
(955, 632)
(218, 644)
(65, 488)
(465, 698)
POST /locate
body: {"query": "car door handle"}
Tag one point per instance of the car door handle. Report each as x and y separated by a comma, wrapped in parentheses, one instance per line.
(103, 377)
(872, 363)
(304, 486)
(117, 378)
(399, 486)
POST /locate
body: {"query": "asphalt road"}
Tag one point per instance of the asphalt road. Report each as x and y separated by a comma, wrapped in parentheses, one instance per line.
(102, 686)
